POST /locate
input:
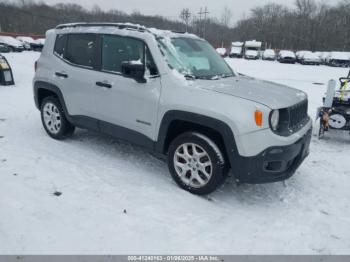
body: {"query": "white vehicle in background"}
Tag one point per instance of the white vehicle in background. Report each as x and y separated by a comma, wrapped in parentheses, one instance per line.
(38, 44)
(269, 54)
(13, 44)
(299, 55)
(323, 57)
(222, 51)
(251, 55)
(287, 57)
(338, 59)
(309, 58)
(252, 50)
(237, 50)
(27, 41)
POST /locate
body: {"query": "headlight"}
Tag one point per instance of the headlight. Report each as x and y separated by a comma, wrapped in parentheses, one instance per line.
(274, 119)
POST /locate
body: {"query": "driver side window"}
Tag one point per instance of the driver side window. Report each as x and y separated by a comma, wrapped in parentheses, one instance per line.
(117, 50)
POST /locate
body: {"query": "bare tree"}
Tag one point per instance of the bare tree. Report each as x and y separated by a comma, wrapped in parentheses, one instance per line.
(226, 16)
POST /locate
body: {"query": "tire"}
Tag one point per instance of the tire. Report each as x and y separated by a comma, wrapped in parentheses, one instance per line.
(321, 130)
(204, 164)
(54, 120)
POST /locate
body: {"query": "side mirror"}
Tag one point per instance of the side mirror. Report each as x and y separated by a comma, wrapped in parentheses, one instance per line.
(134, 70)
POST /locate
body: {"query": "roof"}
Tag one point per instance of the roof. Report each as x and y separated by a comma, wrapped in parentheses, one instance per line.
(253, 43)
(238, 44)
(128, 26)
(118, 25)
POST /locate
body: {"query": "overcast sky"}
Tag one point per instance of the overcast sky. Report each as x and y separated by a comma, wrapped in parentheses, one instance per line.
(171, 8)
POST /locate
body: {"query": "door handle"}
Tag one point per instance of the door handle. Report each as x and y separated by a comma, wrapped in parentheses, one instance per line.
(61, 74)
(104, 84)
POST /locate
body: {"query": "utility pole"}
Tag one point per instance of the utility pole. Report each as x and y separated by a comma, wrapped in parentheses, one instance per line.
(203, 12)
(200, 21)
(185, 16)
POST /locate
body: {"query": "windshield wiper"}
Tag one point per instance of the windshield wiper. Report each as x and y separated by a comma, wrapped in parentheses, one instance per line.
(227, 75)
(190, 77)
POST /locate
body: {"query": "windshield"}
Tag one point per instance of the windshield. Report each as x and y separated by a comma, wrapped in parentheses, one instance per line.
(194, 58)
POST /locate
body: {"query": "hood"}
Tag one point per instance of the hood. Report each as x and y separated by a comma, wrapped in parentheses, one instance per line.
(272, 95)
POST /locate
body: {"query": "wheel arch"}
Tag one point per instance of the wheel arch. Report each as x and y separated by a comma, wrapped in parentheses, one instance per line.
(44, 89)
(175, 123)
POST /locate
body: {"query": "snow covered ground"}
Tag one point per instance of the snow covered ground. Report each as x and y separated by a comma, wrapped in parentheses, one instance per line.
(119, 199)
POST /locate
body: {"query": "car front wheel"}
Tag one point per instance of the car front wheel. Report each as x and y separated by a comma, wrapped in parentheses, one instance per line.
(196, 163)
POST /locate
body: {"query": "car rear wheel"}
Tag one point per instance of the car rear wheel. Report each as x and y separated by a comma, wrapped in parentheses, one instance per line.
(54, 120)
(196, 163)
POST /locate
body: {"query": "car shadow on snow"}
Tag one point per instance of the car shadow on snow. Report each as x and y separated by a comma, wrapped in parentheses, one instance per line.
(112, 149)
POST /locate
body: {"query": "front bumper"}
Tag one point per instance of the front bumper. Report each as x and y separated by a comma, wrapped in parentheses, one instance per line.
(273, 164)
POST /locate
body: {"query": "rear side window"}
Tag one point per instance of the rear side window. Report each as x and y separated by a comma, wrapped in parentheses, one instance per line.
(81, 49)
(116, 50)
(60, 45)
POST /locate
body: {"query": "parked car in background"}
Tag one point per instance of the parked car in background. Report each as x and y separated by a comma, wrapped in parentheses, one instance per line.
(27, 41)
(269, 54)
(252, 49)
(222, 51)
(323, 57)
(251, 55)
(4, 48)
(38, 44)
(13, 44)
(309, 58)
(236, 50)
(286, 56)
(338, 59)
(299, 55)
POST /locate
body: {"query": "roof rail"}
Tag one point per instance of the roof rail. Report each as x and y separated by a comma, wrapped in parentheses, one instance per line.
(118, 25)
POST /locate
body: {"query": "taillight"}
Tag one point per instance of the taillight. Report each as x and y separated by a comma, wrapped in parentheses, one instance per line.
(35, 66)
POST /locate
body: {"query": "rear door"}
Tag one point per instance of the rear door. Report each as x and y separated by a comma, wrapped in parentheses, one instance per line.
(75, 72)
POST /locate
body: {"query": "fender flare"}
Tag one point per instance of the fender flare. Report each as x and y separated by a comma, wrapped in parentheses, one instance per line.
(52, 88)
(221, 127)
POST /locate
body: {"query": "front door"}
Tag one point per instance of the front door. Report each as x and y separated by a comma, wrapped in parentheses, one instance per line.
(123, 101)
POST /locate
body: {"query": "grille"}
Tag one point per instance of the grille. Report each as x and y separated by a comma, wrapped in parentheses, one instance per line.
(298, 115)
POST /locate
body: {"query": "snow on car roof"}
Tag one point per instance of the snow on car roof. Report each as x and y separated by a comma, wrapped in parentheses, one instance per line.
(27, 39)
(309, 54)
(287, 53)
(269, 51)
(40, 41)
(171, 34)
(237, 44)
(339, 55)
(253, 43)
(221, 50)
(10, 40)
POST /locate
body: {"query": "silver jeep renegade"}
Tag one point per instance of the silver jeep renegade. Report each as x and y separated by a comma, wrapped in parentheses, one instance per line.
(173, 94)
